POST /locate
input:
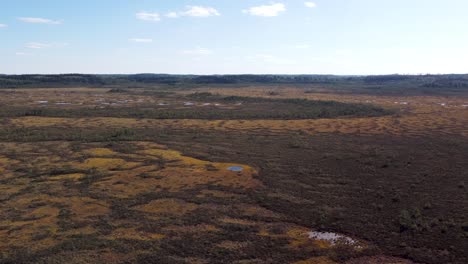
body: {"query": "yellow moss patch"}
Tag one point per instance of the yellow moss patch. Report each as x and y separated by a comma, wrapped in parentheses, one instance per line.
(251, 210)
(103, 163)
(133, 233)
(73, 176)
(299, 236)
(172, 178)
(41, 220)
(101, 152)
(43, 212)
(129, 165)
(127, 183)
(172, 155)
(85, 207)
(7, 190)
(236, 221)
(52, 202)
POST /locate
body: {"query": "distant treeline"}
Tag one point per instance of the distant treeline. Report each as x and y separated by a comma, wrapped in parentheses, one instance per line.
(67, 80)
(452, 83)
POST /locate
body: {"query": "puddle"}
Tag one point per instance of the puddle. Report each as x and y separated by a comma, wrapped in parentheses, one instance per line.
(188, 104)
(235, 168)
(62, 103)
(332, 238)
(42, 102)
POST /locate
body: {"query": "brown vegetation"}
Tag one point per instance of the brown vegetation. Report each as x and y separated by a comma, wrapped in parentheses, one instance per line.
(142, 190)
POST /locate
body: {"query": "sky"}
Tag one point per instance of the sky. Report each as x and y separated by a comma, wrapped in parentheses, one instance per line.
(346, 37)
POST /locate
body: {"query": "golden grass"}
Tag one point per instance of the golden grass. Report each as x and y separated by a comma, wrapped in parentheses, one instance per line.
(251, 210)
(235, 221)
(108, 174)
(416, 120)
(72, 176)
(102, 163)
(100, 152)
(133, 233)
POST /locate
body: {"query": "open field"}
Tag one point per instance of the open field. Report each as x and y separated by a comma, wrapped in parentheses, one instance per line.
(141, 175)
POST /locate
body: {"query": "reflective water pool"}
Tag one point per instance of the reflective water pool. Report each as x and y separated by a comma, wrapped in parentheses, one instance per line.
(235, 168)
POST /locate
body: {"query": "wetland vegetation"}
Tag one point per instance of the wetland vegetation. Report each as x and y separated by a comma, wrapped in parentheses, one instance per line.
(99, 170)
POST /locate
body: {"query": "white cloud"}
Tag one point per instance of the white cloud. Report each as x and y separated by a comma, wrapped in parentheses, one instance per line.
(37, 45)
(198, 51)
(21, 53)
(3, 25)
(200, 11)
(141, 40)
(172, 15)
(38, 20)
(146, 16)
(310, 4)
(266, 10)
(195, 11)
(41, 45)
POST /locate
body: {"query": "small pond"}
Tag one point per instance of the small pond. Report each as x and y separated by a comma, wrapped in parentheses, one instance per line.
(235, 168)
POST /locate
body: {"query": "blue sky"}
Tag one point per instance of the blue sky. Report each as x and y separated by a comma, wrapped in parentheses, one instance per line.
(234, 36)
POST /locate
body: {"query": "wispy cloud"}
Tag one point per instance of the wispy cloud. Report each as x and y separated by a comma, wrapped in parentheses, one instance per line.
(266, 10)
(37, 45)
(147, 16)
(195, 11)
(42, 45)
(3, 25)
(310, 4)
(198, 51)
(21, 54)
(38, 20)
(140, 40)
